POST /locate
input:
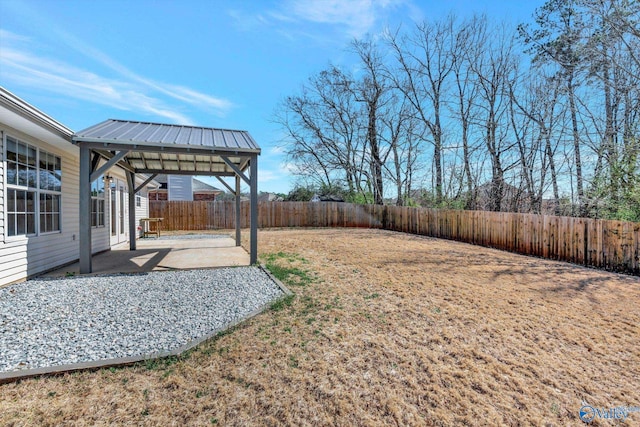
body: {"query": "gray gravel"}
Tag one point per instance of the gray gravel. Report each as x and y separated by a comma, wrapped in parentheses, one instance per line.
(46, 323)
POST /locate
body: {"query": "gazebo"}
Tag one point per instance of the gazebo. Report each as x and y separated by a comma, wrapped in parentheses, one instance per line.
(154, 148)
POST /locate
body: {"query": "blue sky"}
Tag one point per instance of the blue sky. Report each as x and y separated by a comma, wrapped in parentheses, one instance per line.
(210, 63)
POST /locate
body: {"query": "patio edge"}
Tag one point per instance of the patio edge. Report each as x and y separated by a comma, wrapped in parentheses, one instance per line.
(11, 376)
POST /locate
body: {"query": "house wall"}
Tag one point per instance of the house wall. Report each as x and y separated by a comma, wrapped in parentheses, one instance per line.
(1, 186)
(25, 256)
(99, 235)
(158, 195)
(197, 196)
(21, 256)
(204, 197)
(142, 211)
(180, 187)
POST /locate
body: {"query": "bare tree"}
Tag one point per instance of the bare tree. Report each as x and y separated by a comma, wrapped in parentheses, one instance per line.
(559, 38)
(322, 127)
(470, 34)
(425, 59)
(453, 101)
(372, 91)
(538, 102)
(494, 65)
(402, 150)
(612, 59)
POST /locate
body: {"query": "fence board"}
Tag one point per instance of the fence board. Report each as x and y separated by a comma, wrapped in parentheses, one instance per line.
(612, 245)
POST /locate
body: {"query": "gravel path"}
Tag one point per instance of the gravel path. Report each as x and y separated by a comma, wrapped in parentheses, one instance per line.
(46, 323)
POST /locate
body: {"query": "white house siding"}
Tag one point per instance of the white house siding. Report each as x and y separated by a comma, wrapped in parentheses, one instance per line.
(21, 257)
(180, 187)
(1, 186)
(100, 237)
(142, 211)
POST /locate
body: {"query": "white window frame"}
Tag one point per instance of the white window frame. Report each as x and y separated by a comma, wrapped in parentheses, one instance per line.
(36, 190)
(101, 201)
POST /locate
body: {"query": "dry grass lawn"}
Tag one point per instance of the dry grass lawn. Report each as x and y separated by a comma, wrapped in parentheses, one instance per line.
(384, 329)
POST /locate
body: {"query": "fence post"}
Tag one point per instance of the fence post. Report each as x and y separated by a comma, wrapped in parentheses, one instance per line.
(611, 245)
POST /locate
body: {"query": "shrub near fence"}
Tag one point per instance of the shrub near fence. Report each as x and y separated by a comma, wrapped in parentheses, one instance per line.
(611, 245)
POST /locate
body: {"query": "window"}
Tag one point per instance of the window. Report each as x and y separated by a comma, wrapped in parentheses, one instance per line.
(34, 183)
(50, 172)
(49, 212)
(97, 202)
(138, 201)
(21, 212)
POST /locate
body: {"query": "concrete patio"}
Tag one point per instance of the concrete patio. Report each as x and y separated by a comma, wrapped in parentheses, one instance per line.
(176, 252)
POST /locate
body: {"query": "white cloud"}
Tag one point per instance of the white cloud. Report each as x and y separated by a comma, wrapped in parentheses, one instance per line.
(9, 36)
(357, 16)
(180, 93)
(266, 175)
(191, 96)
(48, 75)
(277, 150)
(131, 91)
(248, 21)
(289, 168)
(350, 18)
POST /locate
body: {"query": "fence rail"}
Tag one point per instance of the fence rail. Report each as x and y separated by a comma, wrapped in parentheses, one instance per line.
(611, 245)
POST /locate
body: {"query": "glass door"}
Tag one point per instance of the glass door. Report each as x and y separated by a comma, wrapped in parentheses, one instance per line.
(113, 213)
(122, 210)
(118, 215)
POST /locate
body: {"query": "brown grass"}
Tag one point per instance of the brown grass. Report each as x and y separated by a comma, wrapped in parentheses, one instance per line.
(393, 330)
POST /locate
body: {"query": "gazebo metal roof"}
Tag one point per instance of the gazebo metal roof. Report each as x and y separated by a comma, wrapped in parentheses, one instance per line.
(172, 149)
(156, 148)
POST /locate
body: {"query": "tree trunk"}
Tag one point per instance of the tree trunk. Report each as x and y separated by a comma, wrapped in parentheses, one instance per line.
(576, 145)
(376, 163)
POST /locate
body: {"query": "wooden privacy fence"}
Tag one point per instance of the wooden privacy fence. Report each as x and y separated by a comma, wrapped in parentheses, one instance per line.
(611, 245)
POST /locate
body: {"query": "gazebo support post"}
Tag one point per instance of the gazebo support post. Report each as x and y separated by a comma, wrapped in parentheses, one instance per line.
(111, 140)
(253, 253)
(131, 181)
(85, 209)
(238, 216)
